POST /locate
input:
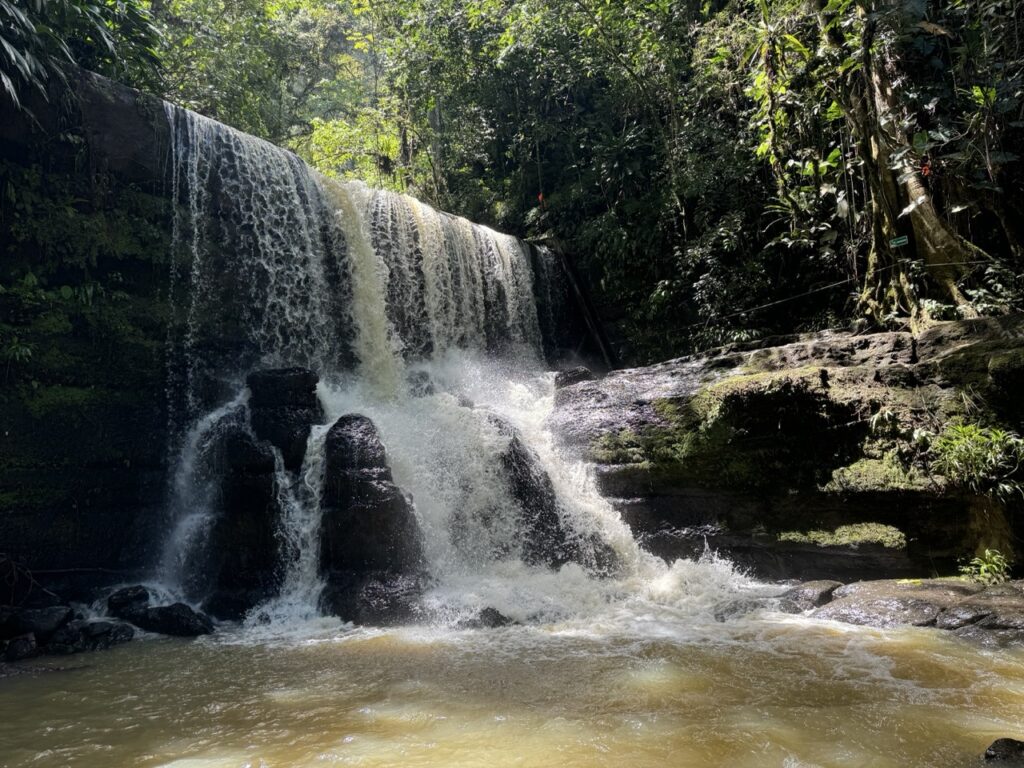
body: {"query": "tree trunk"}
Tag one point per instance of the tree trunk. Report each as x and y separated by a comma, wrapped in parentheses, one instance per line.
(872, 111)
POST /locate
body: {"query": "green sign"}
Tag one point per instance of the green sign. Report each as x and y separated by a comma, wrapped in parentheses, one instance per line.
(896, 242)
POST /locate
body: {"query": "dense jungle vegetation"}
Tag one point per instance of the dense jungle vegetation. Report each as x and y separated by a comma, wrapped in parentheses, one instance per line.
(718, 170)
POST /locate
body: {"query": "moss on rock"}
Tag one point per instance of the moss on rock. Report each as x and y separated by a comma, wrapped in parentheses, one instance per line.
(850, 536)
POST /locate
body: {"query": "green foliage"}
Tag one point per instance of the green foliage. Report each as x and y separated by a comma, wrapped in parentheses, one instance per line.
(985, 460)
(114, 37)
(992, 567)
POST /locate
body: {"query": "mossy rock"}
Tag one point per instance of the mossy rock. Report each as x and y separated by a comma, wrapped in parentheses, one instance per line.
(754, 431)
(853, 535)
(887, 473)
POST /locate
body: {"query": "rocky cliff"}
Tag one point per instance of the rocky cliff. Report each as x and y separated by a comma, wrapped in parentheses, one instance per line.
(806, 456)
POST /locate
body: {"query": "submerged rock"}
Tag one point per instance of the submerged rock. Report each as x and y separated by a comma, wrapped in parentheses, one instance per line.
(21, 647)
(1009, 751)
(81, 635)
(487, 618)
(283, 407)
(43, 623)
(371, 549)
(810, 594)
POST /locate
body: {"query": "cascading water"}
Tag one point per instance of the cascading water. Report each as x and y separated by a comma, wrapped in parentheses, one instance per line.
(375, 290)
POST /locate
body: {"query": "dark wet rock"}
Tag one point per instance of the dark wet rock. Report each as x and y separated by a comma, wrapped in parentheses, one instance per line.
(573, 376)
(242, 557)
(891, 603)
(810, 594)
(378, 599)
(999, 607)
(420, 384)
(992, 617)
(42, 622)
(371, 548)
(368, 522)
(881, 612)
(127, 601)
(283, 386)
(958, 616)
(1009, 751)
(132, 604)
(81, 635)
(177, 619)
(241, 453)
(287, 428)
(994, 639)
(283, 408)
(488, 618)
(21, 647)
(545, 540)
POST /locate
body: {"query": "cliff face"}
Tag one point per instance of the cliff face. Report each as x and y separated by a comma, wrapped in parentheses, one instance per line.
(84, 245)
(806, 458)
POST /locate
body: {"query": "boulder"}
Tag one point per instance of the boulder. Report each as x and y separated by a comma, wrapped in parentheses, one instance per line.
(769, 440)
(573, 376)
(368, 522)
(242, 559)
(21, 647)
(376, 598)
(177, 619)
(283, 407)
(809, 595)
(42, 622)
(80, 635)
(891, 603)
(545, 540)
(127, 601)
(488, 618)
(371, 550)
(276, 387)
(132, 605)
(1007, 751)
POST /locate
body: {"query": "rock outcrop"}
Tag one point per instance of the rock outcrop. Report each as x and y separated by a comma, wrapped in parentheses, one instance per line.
(796, 457)
(132, 604)
(991, 615)
(242, 557)
(58, 629)
(283, 407)
(371, 550)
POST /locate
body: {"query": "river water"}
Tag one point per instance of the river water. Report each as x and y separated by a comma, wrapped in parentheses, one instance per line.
(636, 689)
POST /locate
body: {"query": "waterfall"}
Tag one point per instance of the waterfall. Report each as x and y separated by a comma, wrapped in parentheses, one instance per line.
(275, 265)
